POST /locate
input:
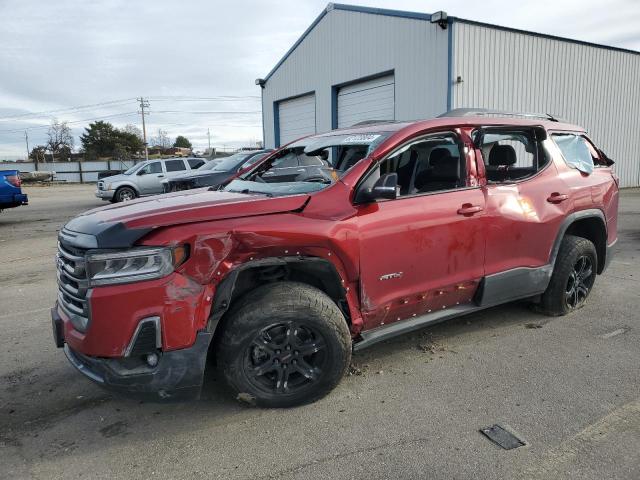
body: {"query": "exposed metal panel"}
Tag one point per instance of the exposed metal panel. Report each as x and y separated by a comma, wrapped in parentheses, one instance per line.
(345, 46)
(297, 118)
(368, 100)
(593, 87)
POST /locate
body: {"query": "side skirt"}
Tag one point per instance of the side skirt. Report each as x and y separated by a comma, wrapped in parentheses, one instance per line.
(495, 289)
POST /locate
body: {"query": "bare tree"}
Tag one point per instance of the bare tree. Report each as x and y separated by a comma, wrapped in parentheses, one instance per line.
(60, 139)
(161, 140)
(130, 128)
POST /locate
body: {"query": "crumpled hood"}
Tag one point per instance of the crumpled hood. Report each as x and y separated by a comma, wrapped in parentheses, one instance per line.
(121, 224)
(116, 178)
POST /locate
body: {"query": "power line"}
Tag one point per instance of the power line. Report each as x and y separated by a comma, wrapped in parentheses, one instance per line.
(71, 122)
(67, 110)
(254, 112)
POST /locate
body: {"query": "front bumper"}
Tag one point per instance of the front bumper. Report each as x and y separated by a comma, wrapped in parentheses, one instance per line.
(105, 194)
(177, 376)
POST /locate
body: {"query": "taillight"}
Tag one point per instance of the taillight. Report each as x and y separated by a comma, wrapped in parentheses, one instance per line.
(14, 180)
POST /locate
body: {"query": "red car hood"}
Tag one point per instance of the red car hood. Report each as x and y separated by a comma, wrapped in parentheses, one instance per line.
(191, 206)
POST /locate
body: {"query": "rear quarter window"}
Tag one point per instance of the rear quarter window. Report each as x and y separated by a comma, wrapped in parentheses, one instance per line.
(575, 151)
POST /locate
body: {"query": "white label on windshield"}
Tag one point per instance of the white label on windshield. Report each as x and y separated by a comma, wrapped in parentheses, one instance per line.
(365, 138)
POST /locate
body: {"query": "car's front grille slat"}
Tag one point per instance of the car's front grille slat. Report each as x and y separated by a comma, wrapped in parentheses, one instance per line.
(73, 288)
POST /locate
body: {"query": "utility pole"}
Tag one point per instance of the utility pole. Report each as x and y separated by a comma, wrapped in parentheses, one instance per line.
(26, 139)
(209, 137)
(143, 104)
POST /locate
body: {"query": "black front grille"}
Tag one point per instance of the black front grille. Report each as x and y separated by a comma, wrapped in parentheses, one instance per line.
(73, 290)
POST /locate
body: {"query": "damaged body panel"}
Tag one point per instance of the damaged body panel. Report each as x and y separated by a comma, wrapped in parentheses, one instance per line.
(478, 213)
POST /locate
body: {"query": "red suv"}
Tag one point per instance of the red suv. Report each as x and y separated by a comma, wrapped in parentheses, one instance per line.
(400, 225)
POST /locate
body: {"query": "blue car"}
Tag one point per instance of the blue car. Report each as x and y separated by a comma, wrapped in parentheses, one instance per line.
(10, 192)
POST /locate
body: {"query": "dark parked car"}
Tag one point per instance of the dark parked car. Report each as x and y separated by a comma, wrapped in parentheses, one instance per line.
(214, 173)
(421, 221)
(10, 192)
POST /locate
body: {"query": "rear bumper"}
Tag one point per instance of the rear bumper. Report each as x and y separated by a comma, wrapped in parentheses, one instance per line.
(177, 376)
(15, 200)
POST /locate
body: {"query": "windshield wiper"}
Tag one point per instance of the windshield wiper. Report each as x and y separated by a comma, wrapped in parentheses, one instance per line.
(246, 191)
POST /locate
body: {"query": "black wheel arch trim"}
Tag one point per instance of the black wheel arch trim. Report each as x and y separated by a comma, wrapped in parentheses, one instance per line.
(570, 220)
(226, 288)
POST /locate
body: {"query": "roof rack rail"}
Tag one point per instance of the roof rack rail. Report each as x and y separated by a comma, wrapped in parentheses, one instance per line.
(371, 122)
(486, 112)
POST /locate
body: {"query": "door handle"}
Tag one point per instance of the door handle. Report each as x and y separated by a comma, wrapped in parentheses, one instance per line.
(469, 209)
(160, 176)
(556, 197)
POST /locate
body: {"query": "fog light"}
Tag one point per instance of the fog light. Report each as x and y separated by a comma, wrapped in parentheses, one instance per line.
(152, 359)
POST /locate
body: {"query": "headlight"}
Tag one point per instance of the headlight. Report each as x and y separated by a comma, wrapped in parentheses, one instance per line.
(134, 265)
(107, 186)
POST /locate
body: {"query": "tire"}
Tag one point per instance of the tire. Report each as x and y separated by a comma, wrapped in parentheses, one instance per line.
(573, 277)
(265, 336)
(124, 194)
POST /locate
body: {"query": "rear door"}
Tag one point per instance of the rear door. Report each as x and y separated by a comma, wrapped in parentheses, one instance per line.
(423, 251)
(526, 198)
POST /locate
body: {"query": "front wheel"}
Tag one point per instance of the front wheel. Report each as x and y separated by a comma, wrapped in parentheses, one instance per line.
(284, 344)
(124, 194)
(573, 277)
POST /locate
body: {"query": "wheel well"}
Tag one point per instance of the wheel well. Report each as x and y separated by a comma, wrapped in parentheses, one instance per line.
(592, 229)
(135, 190)
(313, 271)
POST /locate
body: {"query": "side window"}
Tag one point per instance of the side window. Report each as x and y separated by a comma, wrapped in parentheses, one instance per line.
(511, 155)
(195, 163)
(577, 152)
(428, 165)
(155, 167)
(174, 165)
(307, 161)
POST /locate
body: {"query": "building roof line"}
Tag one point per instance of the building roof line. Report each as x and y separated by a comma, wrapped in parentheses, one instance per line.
(427, 17)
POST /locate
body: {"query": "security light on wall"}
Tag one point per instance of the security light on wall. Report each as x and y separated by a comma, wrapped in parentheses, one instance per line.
(260, 82)
(440, 18)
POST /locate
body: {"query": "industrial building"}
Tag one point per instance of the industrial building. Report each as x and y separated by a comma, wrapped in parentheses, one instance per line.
(358, 63)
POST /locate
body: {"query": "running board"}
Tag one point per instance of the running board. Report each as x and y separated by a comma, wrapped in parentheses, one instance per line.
(380, 334)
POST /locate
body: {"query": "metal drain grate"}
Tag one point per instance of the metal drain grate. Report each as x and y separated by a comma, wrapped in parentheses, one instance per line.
(502, 437)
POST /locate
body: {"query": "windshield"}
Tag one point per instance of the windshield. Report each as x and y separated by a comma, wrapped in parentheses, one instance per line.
(135, 168)
(232, 162)
(208, 165)
(307, 165)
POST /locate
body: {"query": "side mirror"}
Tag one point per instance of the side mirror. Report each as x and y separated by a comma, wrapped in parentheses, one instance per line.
(142, 172)
(385, 187)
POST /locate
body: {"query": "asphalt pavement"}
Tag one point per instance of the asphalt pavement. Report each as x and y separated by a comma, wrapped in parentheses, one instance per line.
(411, 408)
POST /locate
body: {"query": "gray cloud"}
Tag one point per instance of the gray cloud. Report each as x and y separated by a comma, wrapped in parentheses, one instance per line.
(61, 54)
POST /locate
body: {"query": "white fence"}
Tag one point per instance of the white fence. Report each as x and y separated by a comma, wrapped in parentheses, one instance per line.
(78, 172)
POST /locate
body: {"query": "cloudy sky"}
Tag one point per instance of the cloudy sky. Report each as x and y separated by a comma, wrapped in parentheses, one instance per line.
(196, 60)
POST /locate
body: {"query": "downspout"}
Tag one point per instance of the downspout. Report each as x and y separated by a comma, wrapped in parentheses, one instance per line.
(450, 21)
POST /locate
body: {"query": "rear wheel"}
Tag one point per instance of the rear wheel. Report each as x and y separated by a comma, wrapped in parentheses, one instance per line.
(284, 344)
(124, 194)
(573, 277)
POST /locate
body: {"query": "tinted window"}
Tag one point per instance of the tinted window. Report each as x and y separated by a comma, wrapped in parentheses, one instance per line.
(155, 167)
(174, 165)
(576, 151)
(195, 163)
(511, 155)
(231, 163)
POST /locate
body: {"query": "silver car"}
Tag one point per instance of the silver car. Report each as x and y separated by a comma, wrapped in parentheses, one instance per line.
(144, 178)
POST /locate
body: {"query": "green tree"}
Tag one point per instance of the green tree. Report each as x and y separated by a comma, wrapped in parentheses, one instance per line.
(101, 139)
(182, 142)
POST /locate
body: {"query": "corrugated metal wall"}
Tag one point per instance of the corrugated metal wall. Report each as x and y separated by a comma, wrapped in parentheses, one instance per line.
(594, 87)
(346, 46)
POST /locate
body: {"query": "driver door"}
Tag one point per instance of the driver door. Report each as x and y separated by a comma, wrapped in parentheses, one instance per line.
(424, 250)
(149, 178)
